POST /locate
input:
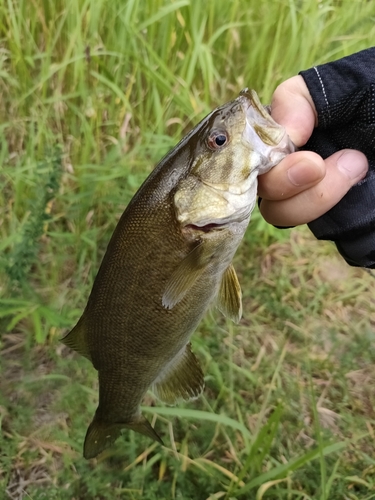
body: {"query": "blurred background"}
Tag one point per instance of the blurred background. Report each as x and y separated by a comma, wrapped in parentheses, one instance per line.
(93, 94)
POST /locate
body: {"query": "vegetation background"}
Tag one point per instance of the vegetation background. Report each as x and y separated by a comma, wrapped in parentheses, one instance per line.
(93, 93)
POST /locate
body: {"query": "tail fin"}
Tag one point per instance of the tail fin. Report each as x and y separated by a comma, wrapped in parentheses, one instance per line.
(143, 426)
(101, 435)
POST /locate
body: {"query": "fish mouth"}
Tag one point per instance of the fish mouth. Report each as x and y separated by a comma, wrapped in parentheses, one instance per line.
(249, 98)
(260, 126)
(265, 136)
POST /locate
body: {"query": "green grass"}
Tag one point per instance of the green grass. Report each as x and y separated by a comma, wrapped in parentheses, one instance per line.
(92, 95)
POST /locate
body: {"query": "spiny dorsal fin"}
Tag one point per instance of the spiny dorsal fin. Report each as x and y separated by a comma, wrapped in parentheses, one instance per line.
(229, 300)
(184, 277)
(76, 339)
(182, 379)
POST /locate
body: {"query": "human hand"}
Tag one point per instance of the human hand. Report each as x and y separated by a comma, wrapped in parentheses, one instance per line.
(303, 186)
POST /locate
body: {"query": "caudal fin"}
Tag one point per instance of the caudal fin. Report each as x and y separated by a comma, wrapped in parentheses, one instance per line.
(101, 435)
(143, 426)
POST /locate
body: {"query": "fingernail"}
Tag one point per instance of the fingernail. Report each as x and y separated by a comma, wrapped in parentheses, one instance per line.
(303, 173)
(353, 164)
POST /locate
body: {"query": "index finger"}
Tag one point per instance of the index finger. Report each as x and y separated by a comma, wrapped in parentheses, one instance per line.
(295, 173)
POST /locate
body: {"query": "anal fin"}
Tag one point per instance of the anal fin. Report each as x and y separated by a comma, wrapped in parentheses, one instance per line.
(182, 379)
(229, 299)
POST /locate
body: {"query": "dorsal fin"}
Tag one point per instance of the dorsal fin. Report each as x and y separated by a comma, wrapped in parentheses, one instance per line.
(76, 339)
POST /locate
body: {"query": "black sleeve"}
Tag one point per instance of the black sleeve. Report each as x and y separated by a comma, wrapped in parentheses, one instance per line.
(344, 95)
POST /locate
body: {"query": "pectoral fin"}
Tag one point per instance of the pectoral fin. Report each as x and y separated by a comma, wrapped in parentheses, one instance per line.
(184, 277)
(76, 339)
(182, 379)
(229, 300)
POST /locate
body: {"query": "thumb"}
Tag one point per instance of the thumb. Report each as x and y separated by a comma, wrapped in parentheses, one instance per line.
(293, 107)
(343, 169)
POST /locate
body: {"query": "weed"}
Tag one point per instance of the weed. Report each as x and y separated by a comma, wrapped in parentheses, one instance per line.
(288, 408)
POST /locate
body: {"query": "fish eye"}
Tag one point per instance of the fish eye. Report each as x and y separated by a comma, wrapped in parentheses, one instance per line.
(217, 140)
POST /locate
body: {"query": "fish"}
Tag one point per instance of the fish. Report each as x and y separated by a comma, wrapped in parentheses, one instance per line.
(169, 259)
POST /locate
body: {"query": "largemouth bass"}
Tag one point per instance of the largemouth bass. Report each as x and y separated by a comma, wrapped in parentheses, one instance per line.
(168, 260)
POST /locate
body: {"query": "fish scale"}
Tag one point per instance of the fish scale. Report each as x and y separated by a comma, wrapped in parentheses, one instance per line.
(168, 260)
